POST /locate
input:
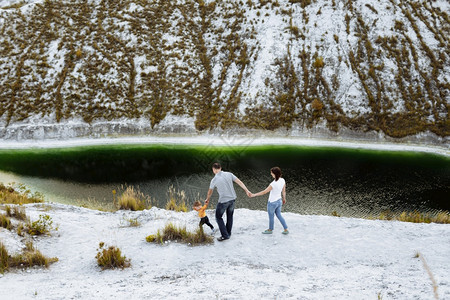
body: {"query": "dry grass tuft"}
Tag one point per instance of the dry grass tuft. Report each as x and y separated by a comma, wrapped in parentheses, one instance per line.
(180, 234)
(4, 258)
(28, 258)
(133, 200)
(176, 200)
(430, 274)
(17, 212)
(5, 222)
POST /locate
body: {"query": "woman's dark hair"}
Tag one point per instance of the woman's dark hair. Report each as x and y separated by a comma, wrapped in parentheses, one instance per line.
(217, 166)
(277, 172)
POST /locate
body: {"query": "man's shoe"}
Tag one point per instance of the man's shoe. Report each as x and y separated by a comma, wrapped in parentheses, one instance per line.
(268, 231)
(221, 239)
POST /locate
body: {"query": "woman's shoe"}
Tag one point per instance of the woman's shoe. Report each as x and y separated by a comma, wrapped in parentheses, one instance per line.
(268, 231)
(285, 231)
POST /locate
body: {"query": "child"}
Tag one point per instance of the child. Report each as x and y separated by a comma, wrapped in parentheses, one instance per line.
(202, 214)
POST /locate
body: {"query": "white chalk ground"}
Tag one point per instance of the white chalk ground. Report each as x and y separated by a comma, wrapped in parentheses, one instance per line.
(322, 258)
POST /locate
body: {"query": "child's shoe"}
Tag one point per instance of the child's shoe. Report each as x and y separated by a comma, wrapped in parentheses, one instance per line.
(213, 231)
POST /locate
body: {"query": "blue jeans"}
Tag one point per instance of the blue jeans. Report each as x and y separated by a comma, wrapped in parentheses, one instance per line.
(225, 230)
(275, 208)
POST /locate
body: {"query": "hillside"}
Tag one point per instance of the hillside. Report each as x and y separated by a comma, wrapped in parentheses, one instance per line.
(365, 65)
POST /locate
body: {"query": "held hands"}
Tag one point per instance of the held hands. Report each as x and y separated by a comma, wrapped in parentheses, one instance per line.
(250, 195)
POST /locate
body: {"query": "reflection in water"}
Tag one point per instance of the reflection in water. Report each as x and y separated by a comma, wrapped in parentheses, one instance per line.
(319, 181)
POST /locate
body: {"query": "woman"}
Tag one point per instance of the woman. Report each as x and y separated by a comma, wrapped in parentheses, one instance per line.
(277, 198)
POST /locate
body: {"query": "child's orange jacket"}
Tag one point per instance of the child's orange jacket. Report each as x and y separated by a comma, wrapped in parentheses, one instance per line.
(201, 211)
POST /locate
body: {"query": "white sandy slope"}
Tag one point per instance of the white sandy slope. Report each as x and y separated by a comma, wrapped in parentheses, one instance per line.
(322, 258)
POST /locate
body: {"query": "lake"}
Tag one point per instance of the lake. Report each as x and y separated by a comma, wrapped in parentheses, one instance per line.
(319, 180)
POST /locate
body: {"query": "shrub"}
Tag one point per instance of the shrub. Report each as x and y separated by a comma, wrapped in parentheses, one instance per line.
(318, 63)
(151, 238)
(317, 105)
(386, 215)
(133, 200)
(31, 257)
(18, 195)
(132, 222)
(79, 53)
(417, 217)
(5, 222)
(17, 212)
(176, 200)
(4, 258)
(175, 233)
(294, 30)
(28, 258)
(92, 203)
(442, 218)
(15, 5)
(20, 229)
(8, 210)
(335, 214)
(111, 258)
(414, 217)
(41, 226)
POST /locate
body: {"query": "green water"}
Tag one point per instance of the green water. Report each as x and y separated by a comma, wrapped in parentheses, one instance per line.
(320, 180)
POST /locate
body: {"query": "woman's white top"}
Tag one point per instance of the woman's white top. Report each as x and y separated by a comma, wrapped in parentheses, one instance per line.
(277, 188)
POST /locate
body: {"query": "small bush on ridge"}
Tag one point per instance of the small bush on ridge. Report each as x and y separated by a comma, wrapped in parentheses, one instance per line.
(111, 257)
(41, 226)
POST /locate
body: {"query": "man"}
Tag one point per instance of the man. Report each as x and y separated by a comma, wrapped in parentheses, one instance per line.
(223, 181)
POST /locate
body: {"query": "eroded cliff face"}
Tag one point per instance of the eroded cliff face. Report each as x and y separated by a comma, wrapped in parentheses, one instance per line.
(371, 70)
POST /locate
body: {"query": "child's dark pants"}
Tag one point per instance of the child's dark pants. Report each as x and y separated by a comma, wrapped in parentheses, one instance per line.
(205, 220)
